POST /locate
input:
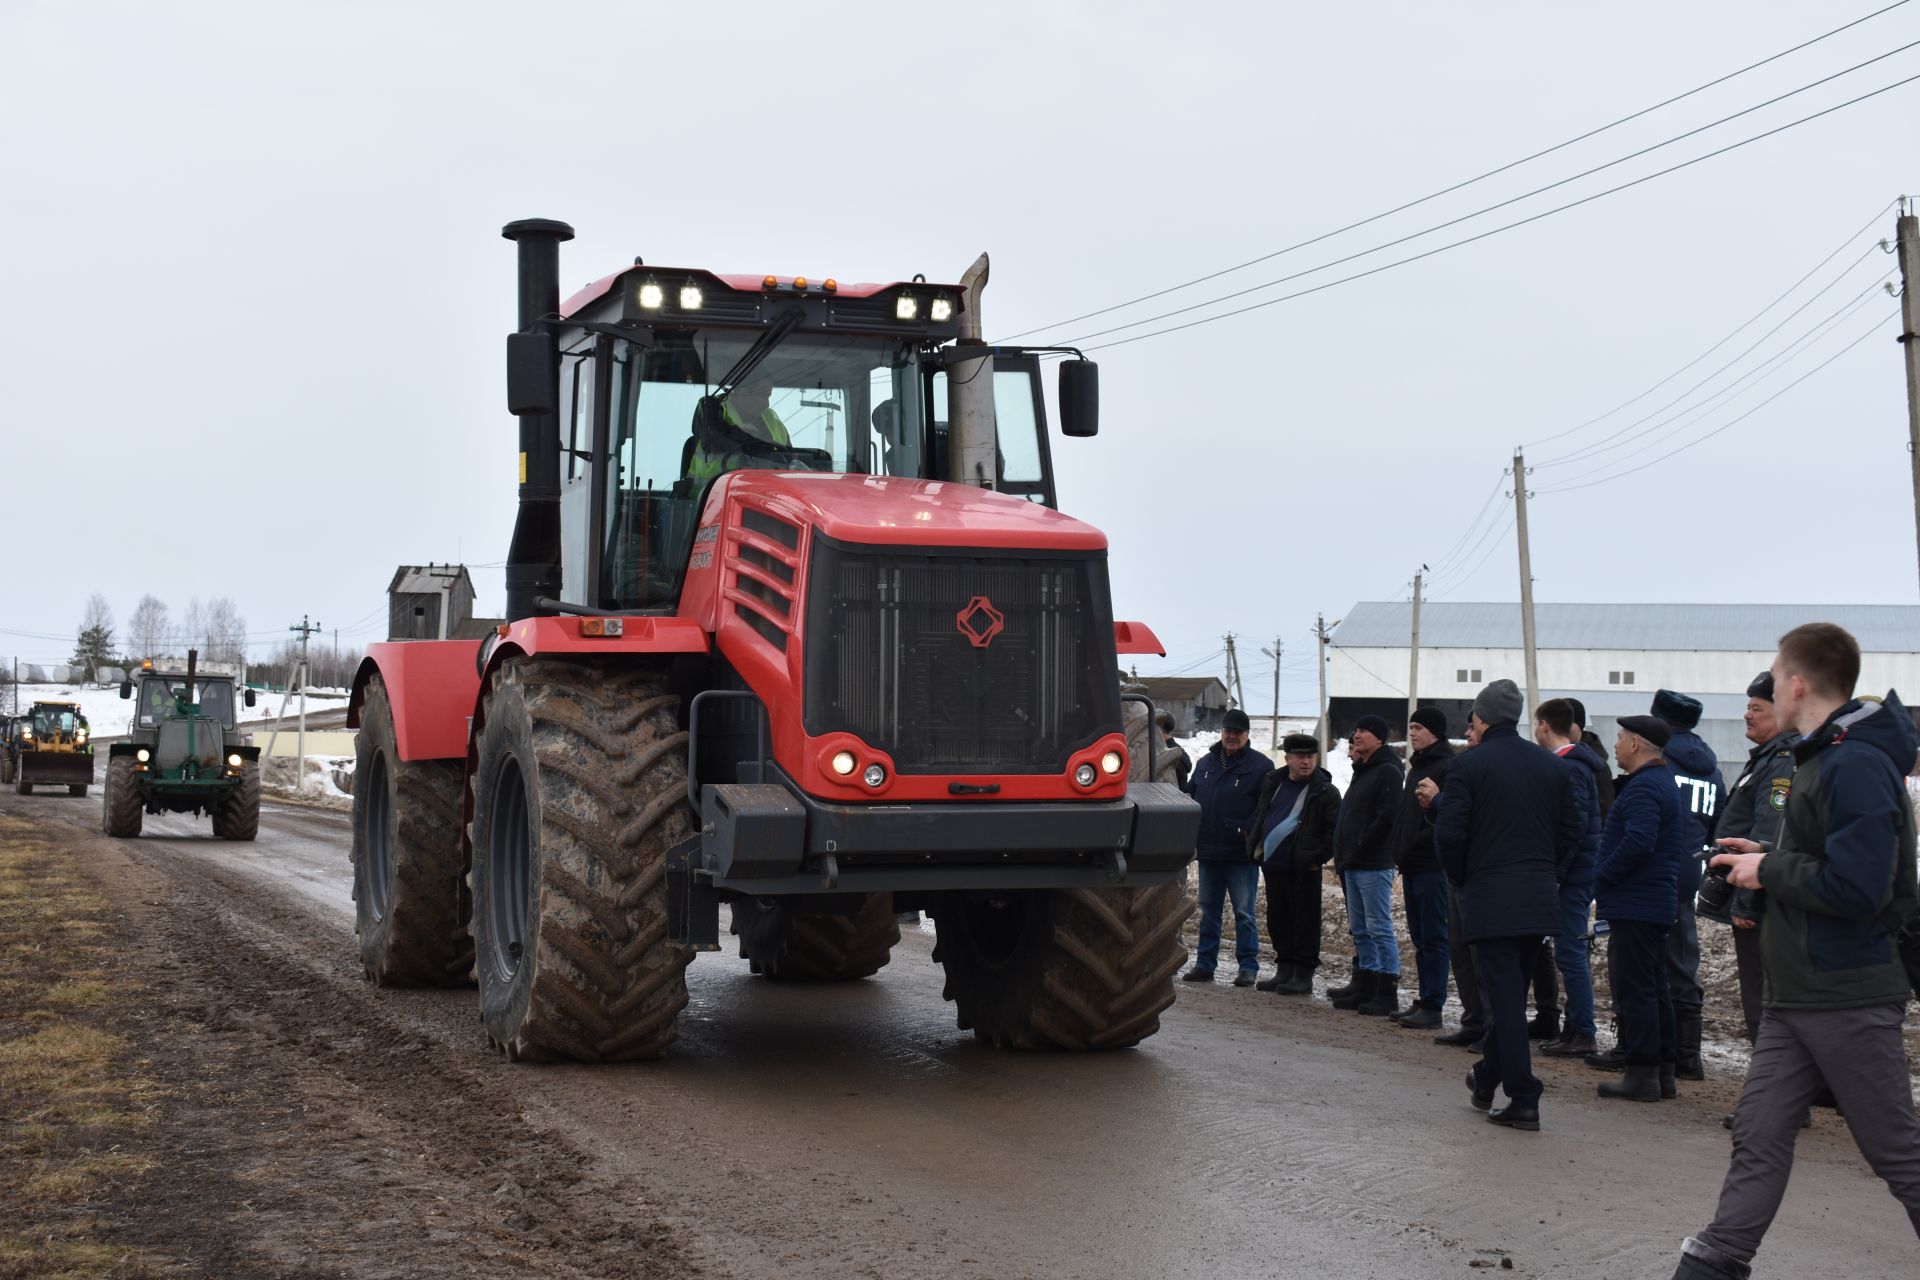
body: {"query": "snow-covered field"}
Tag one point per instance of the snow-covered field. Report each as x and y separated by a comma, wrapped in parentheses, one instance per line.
(108, 715)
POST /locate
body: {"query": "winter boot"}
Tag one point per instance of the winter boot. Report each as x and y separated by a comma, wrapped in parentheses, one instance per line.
(1352, 985)
(1423, 1018)
(1687, 1033)
(1668, 1089)
(1641, 1084)
(1281, 973)
(1299, 984)
(1704, 1262)
(1545, 1025)
(1357, 993)
(1384, 998)
(1614, 1059)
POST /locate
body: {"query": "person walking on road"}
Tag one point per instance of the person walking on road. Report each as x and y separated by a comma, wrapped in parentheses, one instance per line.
(1226, 782)
(1554, 728)
(1646, 839)
(1423, 886)
(1508, 824)
(1292, 838)
(1363, 855)
(1840, 887)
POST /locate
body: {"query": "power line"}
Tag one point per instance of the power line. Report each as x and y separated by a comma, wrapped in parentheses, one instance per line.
(1786, 293)
(1498, 532)
(1441, 565)
(1561, 146)
(1569, 488)
(1364, 667)
(1483, 235)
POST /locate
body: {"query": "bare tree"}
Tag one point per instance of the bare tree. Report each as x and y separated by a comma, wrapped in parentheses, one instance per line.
(226, 631)
(192, 632)
(147, 629)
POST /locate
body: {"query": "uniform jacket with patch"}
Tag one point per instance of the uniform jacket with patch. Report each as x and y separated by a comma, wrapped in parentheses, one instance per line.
(1756, 804)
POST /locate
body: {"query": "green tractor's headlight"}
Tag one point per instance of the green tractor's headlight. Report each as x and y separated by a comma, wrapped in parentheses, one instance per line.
(143, 755)
(233, 762)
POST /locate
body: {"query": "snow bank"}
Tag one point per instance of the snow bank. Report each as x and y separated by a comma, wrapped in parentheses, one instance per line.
(108, 715)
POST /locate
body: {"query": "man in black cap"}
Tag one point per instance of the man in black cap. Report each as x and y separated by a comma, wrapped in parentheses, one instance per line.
(1363, 855)
(1508, 822)
(1645, 840)
(1423, 886)
(1696, 772)
(1226, 782)
(1292, 838)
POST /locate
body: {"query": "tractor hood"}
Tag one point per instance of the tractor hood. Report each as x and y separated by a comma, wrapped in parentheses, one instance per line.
(889, 510)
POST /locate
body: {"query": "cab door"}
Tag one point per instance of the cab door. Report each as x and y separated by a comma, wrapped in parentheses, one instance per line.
(1020, 429)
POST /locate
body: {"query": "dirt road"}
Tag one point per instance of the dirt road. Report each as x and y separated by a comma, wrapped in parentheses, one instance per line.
(851, 1130)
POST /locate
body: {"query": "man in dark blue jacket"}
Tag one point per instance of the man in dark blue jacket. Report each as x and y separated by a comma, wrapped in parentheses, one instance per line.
(1696, 772)
(1508, 823)
(1226, 782)
(1554, 729)
(1647, 837)
(1840, 887)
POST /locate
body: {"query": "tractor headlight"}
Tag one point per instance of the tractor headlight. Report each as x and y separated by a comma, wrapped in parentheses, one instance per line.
(843, 762)
(906, 307)
(652, 296)
(874, 776)
(143, 755)
(233, 762)
(1084, 775)
(941, 311)
(690, 298)
(1110, 763)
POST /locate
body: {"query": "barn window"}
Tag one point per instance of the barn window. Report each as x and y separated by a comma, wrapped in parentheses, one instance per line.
(1467, 675)
(1619, 677)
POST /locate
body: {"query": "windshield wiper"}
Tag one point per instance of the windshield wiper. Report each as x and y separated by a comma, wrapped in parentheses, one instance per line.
(762, 347)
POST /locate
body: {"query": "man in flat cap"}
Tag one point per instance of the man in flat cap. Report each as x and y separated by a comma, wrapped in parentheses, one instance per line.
(1226, 782)
(1508, 822)
(1646, 839)
(1292, 838)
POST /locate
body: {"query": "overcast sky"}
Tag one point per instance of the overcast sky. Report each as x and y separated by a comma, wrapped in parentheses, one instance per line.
(255, 290)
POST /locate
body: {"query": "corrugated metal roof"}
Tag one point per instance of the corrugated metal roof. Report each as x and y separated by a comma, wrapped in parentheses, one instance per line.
(411, 579)
(1731, 628)
(1160, 687)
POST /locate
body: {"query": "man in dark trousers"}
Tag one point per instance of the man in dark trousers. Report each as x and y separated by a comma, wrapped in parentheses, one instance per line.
(1466, 978)
(1576, 1040)
(1292, 838)
(1696, 773)
(1363, 855)
(1554, 729)
(1647, 838)
(1423, 886)
(1508, 822)
(1840, 887)
(1226, 782)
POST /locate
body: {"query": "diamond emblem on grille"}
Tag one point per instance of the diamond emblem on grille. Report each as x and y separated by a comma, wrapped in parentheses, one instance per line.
(980, 622)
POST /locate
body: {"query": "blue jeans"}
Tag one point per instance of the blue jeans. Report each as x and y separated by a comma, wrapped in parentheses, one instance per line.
(1570, 956)
(1220, 880)
(1370, 920)
(1426, 897)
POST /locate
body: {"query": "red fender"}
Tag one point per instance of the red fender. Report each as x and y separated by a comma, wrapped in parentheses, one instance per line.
(1137, 637)
(431, 685)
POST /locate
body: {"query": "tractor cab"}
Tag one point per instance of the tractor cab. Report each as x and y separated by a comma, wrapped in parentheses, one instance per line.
(57, 726)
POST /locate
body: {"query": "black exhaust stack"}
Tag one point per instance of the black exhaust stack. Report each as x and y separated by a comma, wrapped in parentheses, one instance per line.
(533, 393)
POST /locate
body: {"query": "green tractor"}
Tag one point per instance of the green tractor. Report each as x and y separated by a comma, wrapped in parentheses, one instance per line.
(184, 753)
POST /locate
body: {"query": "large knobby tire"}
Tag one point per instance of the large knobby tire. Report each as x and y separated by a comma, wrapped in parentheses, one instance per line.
(409, 875)
(237, 816)
(819, 947)
(20, 784)
(6, 769)
(121, 809)
(579, 790)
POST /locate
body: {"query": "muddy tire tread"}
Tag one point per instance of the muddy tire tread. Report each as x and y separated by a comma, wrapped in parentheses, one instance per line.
(237, 817)
(120, 801)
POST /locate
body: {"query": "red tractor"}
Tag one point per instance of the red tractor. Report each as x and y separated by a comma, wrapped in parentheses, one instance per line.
(796, 627)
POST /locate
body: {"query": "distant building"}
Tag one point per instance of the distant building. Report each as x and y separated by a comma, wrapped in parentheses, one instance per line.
(433, 602)
(1610, 656)
(1196, 703)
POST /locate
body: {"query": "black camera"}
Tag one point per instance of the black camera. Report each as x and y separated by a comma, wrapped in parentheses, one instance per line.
(1715, 897)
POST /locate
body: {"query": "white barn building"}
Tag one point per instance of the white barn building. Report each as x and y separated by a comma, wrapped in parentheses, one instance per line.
(1610, 656)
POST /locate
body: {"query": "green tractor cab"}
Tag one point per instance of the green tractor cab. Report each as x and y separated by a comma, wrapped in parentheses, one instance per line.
(184, 753)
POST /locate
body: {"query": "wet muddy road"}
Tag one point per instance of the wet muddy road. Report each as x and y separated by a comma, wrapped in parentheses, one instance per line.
(852, 1130)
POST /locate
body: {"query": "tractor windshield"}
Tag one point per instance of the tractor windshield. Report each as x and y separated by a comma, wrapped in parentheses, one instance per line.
(807, 403)
(159, 696)
(48, 721)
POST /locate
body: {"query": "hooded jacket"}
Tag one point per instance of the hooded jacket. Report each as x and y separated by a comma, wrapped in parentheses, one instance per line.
(1412, 825)
(1648, 835)
(1363, 837)
(1588, 770)
(1311, 843)
(1696, 772)
(1227, 788)
(1840, 886)
(1507, 824)
(1602, 770)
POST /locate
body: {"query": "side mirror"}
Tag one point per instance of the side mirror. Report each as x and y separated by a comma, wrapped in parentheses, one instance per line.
(126, 688)
(1079, 398)
(530, 373)
(249, 697)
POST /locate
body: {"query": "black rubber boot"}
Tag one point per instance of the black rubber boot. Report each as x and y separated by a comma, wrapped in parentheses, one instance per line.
(1384, 998)
(1704, 1262)
(1687, 1033)
(1280, 975)
(1668, 1089)
(1351, 985)
(1300, 984)
(1614, 1059)
(1423, 1018)
(1640, 1084)
(1545, 1025)
(1356, 993)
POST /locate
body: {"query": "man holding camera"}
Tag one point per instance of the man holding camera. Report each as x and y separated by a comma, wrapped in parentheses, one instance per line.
(1840, 887)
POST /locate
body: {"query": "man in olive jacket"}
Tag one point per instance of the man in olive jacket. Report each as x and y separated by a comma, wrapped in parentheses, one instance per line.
(1508, 823)
(1840, 888)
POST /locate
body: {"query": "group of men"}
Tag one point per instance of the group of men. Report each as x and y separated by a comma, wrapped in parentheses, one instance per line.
(1510, 848)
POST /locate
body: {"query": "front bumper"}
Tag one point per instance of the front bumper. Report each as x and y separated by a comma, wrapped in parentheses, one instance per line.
(769, 839)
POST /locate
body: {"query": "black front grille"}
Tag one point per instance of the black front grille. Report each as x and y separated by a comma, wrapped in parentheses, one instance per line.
(958, 661)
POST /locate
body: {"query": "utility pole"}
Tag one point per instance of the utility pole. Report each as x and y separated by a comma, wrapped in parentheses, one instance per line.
(304, 630)
(1526, 581)
(1233, 675)
(1413, 668)
(1908, 228)
(1320, 630)
(1275, 653)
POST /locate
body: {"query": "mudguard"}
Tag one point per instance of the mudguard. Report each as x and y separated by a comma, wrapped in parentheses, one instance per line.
(1137, 637)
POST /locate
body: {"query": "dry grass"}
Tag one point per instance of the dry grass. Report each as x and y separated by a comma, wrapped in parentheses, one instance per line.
(73, 1100)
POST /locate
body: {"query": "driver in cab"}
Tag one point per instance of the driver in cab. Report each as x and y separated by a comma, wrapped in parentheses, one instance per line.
(745, 411)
